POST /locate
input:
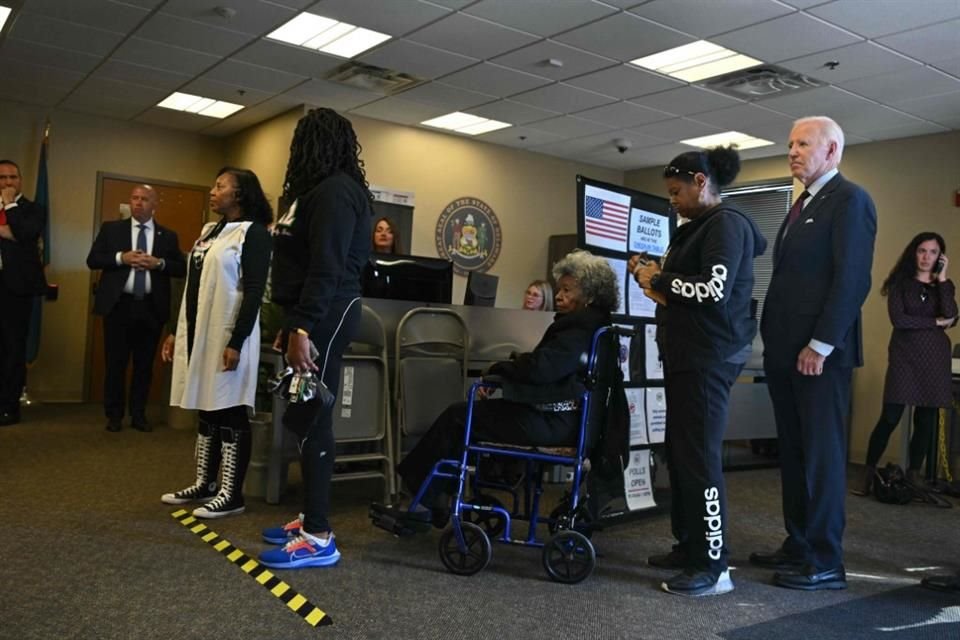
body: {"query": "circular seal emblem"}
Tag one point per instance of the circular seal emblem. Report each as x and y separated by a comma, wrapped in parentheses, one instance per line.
(468, 234)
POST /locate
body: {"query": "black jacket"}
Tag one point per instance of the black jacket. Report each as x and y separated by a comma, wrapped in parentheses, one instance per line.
(553, 370)
(320, 248)
(708, 280)
(22, 270)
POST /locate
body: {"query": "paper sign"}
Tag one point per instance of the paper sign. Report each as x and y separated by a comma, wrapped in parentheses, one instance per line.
(653, 366)
(636, 481)
(620, 270)
(649, 232)
(640, 305)
(656, 414)
(638, 416)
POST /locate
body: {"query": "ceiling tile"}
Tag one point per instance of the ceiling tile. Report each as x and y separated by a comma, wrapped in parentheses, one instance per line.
(804, 4)
(853, 113)
(520, 137)
(148, 53)
(623, 114)
(624, 37)
(252, 16)
(452, 4)
(787, 37)
(860, 60)
(676, 129)
(471, 36)
(563, 98)
(875, 18)
(227, 92)
(739, 116)
(394, 18)
(103, 14)
(171, 119)
(39, 94)
(892, 88)
(705, 19)
(542, 17)
(399, 110)
(495, 80)
(123, 91)
(918, 128)
(251, 116)
(187, 34)
(293, 4)
(573, 62)
(929, 44)
(570, 126)
(624, 4)
(40, 29)
(329, 94)
(454, 98)
(416, 59)
(285, 57)
(686, 101)
(624, 81)
(951, 66)
(12, 49)
(135, 74)
(241, 74)
(25, 73)
(943, 109)
(512, 112)
(145, 4)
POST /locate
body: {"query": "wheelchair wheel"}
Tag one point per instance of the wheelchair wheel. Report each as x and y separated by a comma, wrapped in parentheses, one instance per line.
(490, 521)
(474, 558)
(559, 520)
(569, 557)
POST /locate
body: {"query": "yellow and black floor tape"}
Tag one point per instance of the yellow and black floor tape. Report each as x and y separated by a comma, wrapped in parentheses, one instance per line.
(284, 592)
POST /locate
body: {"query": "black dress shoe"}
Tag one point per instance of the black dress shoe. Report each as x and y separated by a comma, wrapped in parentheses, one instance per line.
(114, 424)
(141, 424)
(779, 560)
(810, 579)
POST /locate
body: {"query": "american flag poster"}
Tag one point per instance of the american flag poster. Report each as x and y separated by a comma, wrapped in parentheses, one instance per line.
(606, 218)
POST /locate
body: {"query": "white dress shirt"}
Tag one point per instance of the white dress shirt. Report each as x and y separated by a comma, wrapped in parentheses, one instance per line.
(134, 233)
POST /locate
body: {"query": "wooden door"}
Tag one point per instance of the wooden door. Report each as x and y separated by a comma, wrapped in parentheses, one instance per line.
(180, 208)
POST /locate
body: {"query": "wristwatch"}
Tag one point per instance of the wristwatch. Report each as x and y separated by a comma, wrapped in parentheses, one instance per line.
(654, 279)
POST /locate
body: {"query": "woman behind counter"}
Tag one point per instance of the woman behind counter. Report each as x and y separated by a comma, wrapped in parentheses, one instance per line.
(921, 301)
(538, 296)
(216, 350)
(386, 237)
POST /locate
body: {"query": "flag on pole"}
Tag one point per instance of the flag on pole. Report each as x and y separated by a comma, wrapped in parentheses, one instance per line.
(42, 198)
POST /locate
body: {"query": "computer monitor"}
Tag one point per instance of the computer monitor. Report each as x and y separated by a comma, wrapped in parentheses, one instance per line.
(414, 278)
(481, 289)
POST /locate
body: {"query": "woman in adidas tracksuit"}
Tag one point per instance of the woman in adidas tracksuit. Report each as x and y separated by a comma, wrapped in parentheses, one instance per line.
(704, 330)
(321, 245)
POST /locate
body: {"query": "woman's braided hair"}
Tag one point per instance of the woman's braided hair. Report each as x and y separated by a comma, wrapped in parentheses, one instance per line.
(323, 143)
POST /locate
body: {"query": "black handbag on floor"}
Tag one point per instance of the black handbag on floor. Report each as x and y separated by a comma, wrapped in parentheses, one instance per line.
(891, 487)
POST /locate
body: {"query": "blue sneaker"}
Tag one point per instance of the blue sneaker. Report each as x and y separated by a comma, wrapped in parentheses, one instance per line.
(304, 550)
(283, 535)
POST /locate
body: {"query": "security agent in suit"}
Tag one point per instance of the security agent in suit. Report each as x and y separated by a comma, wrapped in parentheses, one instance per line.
(811, 330)
(21, 279)
(134, 298)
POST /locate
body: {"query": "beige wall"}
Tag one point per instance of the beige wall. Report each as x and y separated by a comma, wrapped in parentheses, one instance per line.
(80, 146)
(912, 181)
(533, 195)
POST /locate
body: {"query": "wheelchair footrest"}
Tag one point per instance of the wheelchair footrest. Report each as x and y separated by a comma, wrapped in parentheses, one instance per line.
(399, 522)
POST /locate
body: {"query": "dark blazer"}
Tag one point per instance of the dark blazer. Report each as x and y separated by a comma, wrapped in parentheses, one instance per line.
(821, 276)
(115, 236)
(22, 271)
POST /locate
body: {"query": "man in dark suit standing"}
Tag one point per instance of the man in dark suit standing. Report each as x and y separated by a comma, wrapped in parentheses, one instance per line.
(811, 330)
(21, 279)
(138, 257)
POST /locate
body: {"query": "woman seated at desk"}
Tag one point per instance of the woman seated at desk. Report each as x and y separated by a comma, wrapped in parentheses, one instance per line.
(542, 389)
(385, 238)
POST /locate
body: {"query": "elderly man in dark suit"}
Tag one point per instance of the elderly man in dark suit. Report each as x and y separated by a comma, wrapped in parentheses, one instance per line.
(21, 279)
(138, 257)
(811, 330)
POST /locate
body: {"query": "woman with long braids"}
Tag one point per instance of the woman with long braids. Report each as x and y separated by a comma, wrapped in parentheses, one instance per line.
(320, 247)
(216, 349)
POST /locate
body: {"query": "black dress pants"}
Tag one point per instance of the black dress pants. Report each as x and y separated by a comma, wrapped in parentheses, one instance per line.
(15, 312)
(697, 407)
(131, 329)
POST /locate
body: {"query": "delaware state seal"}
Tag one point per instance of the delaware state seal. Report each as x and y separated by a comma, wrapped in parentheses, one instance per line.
(468, 234)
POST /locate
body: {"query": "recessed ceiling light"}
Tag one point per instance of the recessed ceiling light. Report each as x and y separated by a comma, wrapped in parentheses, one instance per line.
(739, 140)
(465, 123)
(696, 61)
(199, 105)
(315, 32)
(4, 14)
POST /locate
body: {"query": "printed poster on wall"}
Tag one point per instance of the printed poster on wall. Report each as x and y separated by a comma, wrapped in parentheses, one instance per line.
(649, 232)
(636, 481)
(638, 416)
(606, 218)
(623, 353)
(656, 414)
(653, 365)
(640, 305)
(620, 270)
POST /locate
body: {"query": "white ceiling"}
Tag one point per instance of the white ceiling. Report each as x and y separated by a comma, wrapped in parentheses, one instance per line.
(899, 71)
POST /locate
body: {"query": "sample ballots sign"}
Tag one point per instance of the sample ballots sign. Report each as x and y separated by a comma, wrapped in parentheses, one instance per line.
(606, 218)
(649, 232)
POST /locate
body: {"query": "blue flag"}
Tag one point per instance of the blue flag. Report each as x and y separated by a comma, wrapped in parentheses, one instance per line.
(42, 198)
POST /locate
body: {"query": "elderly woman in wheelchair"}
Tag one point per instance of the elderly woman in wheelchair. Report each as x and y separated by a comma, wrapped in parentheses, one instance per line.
(542, 391)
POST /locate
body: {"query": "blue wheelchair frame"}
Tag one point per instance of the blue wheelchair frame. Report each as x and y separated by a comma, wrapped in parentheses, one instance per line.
(465, 547)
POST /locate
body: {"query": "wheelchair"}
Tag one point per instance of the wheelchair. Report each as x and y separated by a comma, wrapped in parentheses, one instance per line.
(568, 555)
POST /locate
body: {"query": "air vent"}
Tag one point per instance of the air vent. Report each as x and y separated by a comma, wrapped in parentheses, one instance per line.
(757, 83)
(371, 78)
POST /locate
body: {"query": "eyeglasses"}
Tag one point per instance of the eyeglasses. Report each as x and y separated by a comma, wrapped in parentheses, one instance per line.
(670, 171)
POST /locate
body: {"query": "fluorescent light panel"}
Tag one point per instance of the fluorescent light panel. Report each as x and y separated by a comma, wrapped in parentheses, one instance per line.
(465, 123)
(199, 105)
(740, 140)
(696, 61)
(315, 32)
(4, 14)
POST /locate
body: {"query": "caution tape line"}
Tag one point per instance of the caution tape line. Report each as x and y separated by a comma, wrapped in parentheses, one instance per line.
(312, 614)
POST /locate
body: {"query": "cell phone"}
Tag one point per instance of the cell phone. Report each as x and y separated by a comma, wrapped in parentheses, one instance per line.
(937, 268)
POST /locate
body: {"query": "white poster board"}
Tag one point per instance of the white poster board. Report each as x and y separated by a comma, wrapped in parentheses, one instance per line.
(652, 364)
(656, 414)
(638, 416)
(636, 481)
(649, 232)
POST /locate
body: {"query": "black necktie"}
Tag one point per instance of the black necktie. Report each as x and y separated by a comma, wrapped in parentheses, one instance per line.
(140, 275)
(797, 208)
